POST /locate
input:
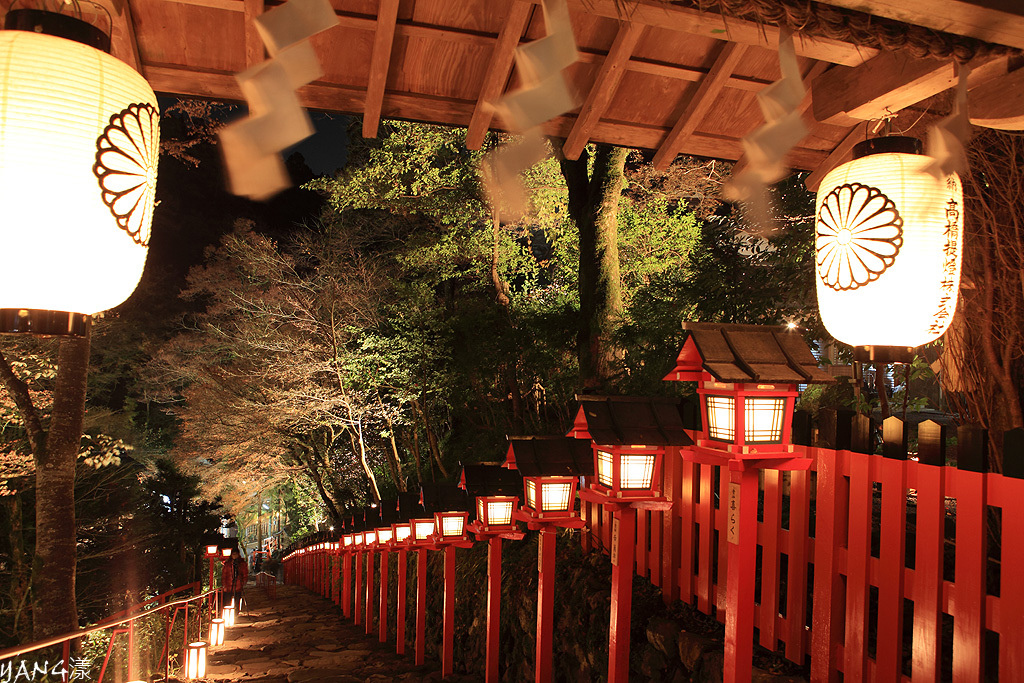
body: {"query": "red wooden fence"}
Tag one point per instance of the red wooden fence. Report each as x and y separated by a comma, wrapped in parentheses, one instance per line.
(837, 580)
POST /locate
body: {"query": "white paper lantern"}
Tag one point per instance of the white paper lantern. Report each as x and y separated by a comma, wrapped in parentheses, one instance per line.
(79, 142)
(889, 239)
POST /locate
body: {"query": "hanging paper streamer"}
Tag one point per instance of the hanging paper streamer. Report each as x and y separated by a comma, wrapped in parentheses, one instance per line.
(767, 146)
(947, 138)
(544, 95)
(276, 120)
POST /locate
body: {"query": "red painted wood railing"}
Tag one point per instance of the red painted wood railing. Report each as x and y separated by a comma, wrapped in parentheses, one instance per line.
(846, 520)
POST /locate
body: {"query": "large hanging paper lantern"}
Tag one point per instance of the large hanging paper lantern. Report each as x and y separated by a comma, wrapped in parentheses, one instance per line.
(888, 248)
(79, 143)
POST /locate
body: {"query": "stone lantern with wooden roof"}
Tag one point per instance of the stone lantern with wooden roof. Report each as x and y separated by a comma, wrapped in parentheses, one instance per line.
(747, 377)
(551, 467)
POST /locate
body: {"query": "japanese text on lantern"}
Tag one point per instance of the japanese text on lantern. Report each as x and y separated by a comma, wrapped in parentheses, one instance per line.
(951, 250)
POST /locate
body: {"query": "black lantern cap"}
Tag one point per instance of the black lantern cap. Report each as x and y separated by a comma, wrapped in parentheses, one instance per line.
(625, 420)
(444, 498)
(748, 353)
(491, 480)
(61, 25)
(551, 456)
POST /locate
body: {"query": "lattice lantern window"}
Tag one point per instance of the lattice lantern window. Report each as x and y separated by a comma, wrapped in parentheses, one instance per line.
(630, 471)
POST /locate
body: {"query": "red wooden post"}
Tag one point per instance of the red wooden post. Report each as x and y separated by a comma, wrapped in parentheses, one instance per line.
(892, 552)
(971, 558)
(448, 631)
(403, 566)
(705, 515)
(370, 596)
(421, 605)
(670, 532)
(687, 508)
(858, 554)
(382, 632)
(929, 551)
(641, 535)
(358, 597)
(494, 607)
(336, 581)
(1011, 594)
(741, 537)
(545, 603)
(830, 533)
(721, 580)
(796, 593)
(622, 594)
(346, 586)
(772, 524)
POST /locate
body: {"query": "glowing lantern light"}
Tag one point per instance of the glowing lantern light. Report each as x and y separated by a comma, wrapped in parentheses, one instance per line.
(424, 529)
(216, 632)
(195, 661)
(451, 524)
(226, 552)
(211, 550)
(228, 615)
(384, 535)
(347, 540)
(551, 468)
(84, 125)
(888, 232)
(402, 532)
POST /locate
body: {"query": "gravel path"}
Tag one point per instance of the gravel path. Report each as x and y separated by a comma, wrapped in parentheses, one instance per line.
(297, 637)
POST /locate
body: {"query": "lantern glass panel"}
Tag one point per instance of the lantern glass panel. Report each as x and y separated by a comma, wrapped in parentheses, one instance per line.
(384, 535)
(424, 530)
(721, 417)
(452, 524)
(228, 615)
(211, 550)
(195, 661)
(358, 540)
(226, 552)
(499, 512)
(762, 418)
(636, 470)
(555, 496)
(531, 494)
(605, 469)
(402, 532)
(370, 537)
(347, 539)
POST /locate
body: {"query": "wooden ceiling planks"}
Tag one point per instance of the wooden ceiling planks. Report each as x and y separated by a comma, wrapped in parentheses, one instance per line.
(647, 78)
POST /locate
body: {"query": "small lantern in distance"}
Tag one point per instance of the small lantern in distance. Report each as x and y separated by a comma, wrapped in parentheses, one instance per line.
(228, 614)
(889, 239)
(496, 490)
(450, 507)
(216, 632)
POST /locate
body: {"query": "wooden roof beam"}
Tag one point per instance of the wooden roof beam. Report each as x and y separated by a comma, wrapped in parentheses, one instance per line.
(994, 21)
(712, 25)
(498, 71)
(888, 83)
(699, 105)
(838, 156)
(254, 49)
(609, 75)
(380, 62)
(124, 44)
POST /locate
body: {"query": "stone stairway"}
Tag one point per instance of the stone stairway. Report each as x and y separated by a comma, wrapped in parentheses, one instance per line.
(298, 637)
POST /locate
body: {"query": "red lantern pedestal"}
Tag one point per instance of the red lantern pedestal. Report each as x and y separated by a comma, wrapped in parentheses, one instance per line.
(346, 585)
(491, 674)
(369, 591)
(403, 567)
(357, 598)
(382, 631)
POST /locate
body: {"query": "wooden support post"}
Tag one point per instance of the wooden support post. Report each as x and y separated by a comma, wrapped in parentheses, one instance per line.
(623, 546)
(357, 598)
(741, 534)
(382, 631)
(545, 603)
(346, 586)
(370, 596)
(448, 631)
(421, 605)
(493, 608)
(403, 566)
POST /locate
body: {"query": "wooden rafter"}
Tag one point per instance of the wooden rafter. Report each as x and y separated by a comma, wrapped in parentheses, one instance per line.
(888, 83)
(712, 25)
(699, 104)
(498, 70)
(605, 84)
(838, 156)
(380, 62)
(124, 43)
(994, 21)
(254, 52)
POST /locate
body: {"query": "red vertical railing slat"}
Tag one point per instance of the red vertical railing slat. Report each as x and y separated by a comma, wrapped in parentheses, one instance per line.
(858, 553)
(796, 573)
(671, 536)
(891, 561)
(830, 531)
(769, 534)
(641, 542)
(721, 524)
(929, 545)
(969, 591)
(1011, 594)
(687, 511)
(705, 508)
(654, 551)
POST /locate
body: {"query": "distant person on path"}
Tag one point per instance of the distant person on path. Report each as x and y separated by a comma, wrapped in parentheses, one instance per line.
(235, 575)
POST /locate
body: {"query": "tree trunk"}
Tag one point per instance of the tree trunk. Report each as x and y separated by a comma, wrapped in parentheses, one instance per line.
(53, 582)
(394, 461)
(435, 450)
(594, 207)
